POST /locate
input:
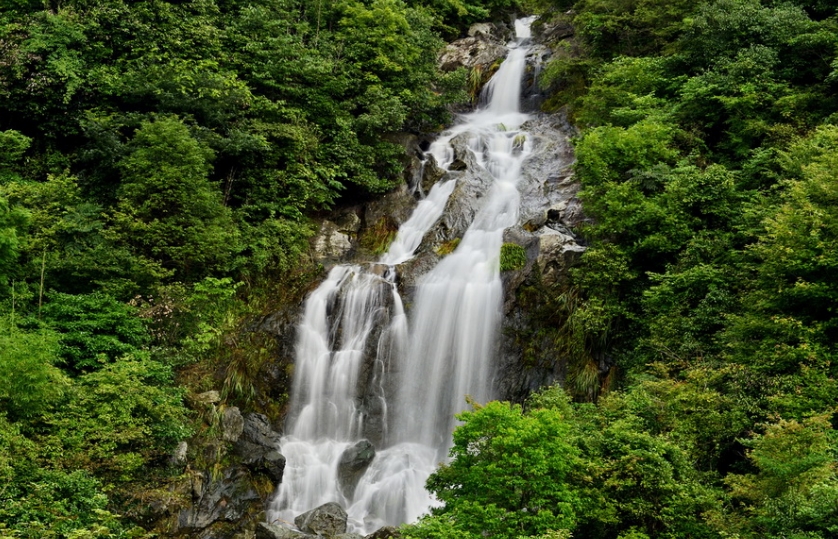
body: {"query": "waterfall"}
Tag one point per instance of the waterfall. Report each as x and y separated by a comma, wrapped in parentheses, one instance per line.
(363, 370)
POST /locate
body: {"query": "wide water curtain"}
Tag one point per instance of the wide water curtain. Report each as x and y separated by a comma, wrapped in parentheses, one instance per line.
(364, 371)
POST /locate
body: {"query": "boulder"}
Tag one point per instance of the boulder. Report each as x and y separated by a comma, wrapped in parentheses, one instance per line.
(258, 447)
(328, 520)
(273, 465)
(348, 536)
(557, 252)
(257, 430)
(555, 30)
(352, 464)
(272, 531)
(330, 243)
(470, 52)
(490, 31)
(431, 173)
(232, 424)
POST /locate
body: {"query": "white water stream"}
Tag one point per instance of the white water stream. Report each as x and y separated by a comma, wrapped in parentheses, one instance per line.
(422, 369)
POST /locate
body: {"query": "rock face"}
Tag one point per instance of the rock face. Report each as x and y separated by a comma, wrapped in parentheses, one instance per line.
(550, 210)
(331, 242)
(484, 46)
(258, 447)
(352, 464)
(232, 424)
(226, 498)
(327, 520)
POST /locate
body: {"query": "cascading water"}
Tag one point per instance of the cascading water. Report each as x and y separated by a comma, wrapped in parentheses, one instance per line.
(422, 370)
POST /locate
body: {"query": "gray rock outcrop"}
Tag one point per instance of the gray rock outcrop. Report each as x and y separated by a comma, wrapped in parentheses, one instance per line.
(352, 464)
(327, 520)
(226, 498)
(484, 46)
(232, 424)
(331, 243)
(258, 447)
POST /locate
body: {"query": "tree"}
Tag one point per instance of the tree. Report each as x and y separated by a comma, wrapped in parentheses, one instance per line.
(168, 208)
(508, 475)
(794, 489)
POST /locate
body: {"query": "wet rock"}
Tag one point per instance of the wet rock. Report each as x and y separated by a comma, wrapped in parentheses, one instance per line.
(272, 531)
(457, 164)
(382, 270)
(386, 532)
(412, 157)
(258, 447)
(352, 464)
(232, 424)
(397, 205)
(227, 498)
(273, 465)
(431, 173)
(532, 95)
(329, 519)
(257, 430)
(348, 536)
(516, 378)
(466, 199)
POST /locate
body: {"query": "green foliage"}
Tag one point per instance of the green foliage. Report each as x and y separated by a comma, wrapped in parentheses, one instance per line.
(795, 487)
(707, 164)
(38, 502)
(167, 207)
(159, 162)
(12, 222)
(512, 257)
(118, 419)
(620, 469)
(12, 147)
(508, 475)
(95, 328)
(32, 384)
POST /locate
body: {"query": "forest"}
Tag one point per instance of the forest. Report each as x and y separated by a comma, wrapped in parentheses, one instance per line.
(161, 162)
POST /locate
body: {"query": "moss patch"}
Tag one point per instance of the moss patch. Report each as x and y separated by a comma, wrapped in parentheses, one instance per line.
(512, 257)
(448, 247)
(377, 238)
